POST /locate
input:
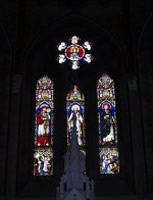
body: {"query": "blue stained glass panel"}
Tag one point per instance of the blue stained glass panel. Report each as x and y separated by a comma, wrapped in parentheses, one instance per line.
(43, 140)
(108, 133)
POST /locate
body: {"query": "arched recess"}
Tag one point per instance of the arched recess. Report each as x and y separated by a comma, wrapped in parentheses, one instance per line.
(44, 128)
(5, 92)
(40, 59)
(145, 74)
(75, 107)
(107, 122)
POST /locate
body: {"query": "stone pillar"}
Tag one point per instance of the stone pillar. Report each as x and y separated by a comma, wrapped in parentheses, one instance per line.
(14, 124)
(137, 136)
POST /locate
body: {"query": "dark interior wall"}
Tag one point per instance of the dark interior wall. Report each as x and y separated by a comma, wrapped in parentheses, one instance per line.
(8, 17)
(36, 19)
(5, 79)
(145, 51)
(41, 60)
(34, 28)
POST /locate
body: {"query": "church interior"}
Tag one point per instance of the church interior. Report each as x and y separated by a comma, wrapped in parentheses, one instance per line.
(121, 36)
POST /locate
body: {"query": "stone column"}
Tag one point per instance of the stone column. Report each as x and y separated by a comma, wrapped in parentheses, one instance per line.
(14, 124)
(137, 136)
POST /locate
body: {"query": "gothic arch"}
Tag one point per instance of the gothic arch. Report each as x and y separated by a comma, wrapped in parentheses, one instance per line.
(40, 59)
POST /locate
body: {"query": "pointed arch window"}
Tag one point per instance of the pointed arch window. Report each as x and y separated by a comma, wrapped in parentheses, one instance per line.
(43, 137)
(108, 133)
(75, 111)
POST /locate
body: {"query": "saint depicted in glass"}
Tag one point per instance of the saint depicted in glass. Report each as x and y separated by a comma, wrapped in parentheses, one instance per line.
(43, 150)
(108, 143)
(75, 113)
(109, 161)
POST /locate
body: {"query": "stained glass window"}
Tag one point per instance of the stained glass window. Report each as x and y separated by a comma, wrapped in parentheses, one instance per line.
(108, 139)
(75, 110)
(43, 138)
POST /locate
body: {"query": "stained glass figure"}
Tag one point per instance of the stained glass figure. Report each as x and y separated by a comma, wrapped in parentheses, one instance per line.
(109, 161)
(75, 110)
(107, 120)
(43, 143)
(74, 52)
